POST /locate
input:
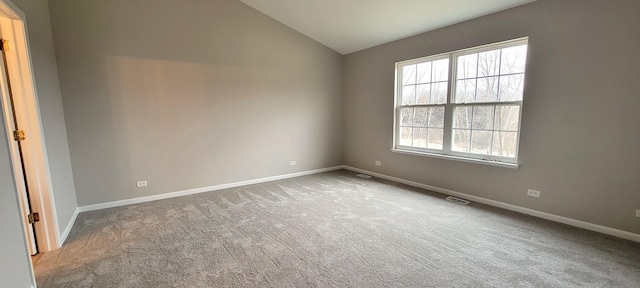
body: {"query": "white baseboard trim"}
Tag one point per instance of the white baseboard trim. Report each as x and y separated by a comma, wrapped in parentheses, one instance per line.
(548, 216)
(65, 233)
(202, 190)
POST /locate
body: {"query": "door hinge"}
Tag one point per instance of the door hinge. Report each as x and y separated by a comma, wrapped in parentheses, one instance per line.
(4, 45)
(33, 217)
(18, 135)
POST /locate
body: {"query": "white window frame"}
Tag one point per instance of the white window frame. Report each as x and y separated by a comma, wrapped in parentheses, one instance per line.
(447, 151)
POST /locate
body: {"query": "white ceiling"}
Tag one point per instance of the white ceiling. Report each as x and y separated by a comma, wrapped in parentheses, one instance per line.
(352, 25)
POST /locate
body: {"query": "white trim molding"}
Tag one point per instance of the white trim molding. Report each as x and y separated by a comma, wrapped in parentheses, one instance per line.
(458, 158)
(65, 233)
(168, 195)
(548, 216)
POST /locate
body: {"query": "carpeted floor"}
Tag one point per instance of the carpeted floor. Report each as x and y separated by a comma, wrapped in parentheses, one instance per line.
(331, 230)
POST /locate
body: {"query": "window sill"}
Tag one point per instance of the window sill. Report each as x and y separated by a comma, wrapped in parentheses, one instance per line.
(457, 158)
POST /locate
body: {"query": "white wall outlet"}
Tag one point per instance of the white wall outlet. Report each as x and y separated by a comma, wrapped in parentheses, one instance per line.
(141, 184)
(293, 163)
(533, 193)
(378, 163)
(637, 213)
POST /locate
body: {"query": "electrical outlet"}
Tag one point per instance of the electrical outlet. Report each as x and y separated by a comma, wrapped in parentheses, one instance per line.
(378, 163)
(533, 193)
(637, 213)
(141, 184)
(292, 163)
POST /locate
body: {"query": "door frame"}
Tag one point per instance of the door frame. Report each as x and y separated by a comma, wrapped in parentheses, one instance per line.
(13, 29)
(23, 195)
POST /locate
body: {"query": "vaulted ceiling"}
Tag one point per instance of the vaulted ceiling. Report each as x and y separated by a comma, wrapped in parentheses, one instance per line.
(351, 25)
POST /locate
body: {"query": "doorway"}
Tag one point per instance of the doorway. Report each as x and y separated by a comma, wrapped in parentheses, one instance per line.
(18, 136)
(19, 102)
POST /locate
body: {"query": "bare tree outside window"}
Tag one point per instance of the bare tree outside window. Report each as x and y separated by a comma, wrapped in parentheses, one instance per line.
(496, 77)
(424, 89)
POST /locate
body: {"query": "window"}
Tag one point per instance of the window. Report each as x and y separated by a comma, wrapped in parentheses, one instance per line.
(465, 104)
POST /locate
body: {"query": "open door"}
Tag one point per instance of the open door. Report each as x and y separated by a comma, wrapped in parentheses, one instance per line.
(18, 137)
(19, 102)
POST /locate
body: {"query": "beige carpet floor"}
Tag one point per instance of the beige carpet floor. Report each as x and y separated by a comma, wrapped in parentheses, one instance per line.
(331, 230)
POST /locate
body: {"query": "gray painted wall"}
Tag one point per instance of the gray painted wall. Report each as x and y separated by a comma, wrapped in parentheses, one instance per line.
(579, 141)
(189, 94)
(50, 105)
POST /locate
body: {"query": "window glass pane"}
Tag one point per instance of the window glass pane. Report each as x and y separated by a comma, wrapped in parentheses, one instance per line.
(480, 142)
(424, 72)
(485, 92)
(422, 93)
(462, 117)
(409, 75)
(465, 91)
(483, 117)
(436, 117)
(408, 95)
(439, 93)
(435, 138)
(420, 117)
(507, 118)
(511, 87)
(440, 70)
(467, 66)
(505, 143)
(488, 63)
(461, 140)
(419, 137)
(513, 59)
(487, 89)
(406, 116)
(405, 136)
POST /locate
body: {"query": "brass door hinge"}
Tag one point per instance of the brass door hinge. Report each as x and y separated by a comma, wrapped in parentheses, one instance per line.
(5, 45)
(33, 217)
(18, 135)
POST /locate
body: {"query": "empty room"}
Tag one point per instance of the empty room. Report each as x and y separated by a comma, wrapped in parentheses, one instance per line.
(319, 143)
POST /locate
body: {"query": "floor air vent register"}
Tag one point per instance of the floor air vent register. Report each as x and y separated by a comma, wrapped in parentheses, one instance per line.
(457, 200)
(365, 176)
